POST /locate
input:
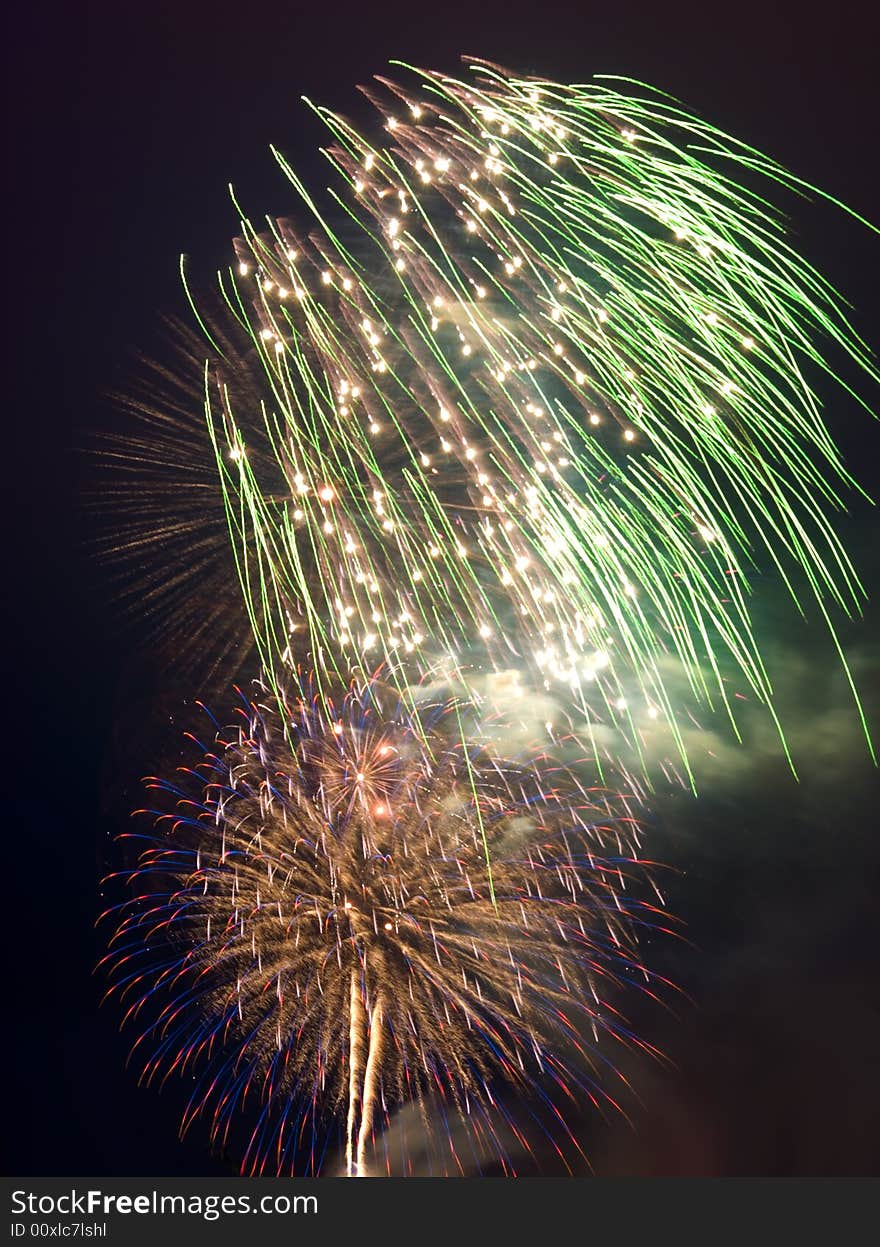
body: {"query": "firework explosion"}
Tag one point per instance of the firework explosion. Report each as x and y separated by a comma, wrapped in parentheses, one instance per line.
(541, 398)
(315, 928)
(535, 403)
(159, 505)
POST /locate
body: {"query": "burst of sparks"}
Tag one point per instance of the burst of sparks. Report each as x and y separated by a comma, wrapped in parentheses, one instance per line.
(534, 400)
(160, 509)
(315, 928)
(541, 397)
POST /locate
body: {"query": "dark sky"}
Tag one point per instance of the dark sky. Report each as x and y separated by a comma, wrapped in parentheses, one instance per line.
(127, 121)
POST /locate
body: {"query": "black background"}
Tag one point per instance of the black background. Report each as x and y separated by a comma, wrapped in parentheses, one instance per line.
(125, 124)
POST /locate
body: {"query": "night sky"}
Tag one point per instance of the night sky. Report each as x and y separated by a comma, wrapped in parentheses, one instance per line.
(128, 122)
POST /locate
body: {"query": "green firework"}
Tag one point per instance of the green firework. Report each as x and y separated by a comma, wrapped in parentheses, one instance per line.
(540, 390)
